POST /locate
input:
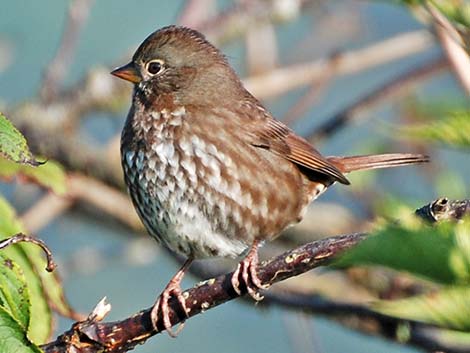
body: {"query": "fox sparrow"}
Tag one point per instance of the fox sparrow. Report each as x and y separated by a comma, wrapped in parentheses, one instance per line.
(209, 170)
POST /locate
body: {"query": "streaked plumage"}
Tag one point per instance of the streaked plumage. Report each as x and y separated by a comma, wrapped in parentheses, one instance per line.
(209, 170)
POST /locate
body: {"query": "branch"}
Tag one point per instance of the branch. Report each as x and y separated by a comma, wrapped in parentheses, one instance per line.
(99, 92)
(397, 84)
(57, 69)
(20, 237)
(92, 335)
(368, 321)
(453, 46)
(196, 12)
(444, 209)
(287, 78)
(81, 188)
(44, 211)
(246, 15)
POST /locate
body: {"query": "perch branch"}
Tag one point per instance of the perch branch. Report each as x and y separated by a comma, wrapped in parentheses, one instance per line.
(92, 335)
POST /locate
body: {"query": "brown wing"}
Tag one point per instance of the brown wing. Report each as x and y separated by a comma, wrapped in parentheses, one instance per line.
(271, 134)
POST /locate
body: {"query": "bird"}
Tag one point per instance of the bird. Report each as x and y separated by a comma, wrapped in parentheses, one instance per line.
(209, 170)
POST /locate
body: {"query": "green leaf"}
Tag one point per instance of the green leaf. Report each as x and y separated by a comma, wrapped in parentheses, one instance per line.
(13, 145)
(455, 10)
(14, 293)
(50, 175)
(452, 338)
(40, 313)
(440, 253)
(13, 337)
(45, 287)
(448, 308)
(453, 130)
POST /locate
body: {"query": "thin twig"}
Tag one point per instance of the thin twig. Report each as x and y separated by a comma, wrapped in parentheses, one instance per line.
(453, 46)
(286, 78)
(100, 92)
(262, 53)
(44, 211)
(241, 17)
(196, 12)
(58, 67)
(20, 237)
(88, 190)
(366, 320)
(314, 92)
(110, 200)
(397, 84)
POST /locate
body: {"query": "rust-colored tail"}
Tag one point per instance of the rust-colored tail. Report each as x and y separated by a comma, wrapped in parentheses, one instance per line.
(373, 161)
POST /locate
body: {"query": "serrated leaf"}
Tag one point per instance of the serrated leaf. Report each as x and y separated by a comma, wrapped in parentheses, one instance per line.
(440, 253)
(40, 314)
(13, 145)
(453, 130)
(13, 337)
(47, 286)
(448, 308)
(14, 293)
(50, 174)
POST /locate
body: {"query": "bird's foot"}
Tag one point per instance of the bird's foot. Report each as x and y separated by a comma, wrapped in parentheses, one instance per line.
(246, 275)
(161, 308)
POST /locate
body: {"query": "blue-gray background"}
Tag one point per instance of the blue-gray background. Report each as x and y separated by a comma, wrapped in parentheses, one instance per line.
(101, 259)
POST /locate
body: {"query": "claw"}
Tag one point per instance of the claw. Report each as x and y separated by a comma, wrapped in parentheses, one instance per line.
(246, 271)
(162, 308)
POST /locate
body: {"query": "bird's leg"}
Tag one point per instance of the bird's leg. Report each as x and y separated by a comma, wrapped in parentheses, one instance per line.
(246, 274)
(161, 307)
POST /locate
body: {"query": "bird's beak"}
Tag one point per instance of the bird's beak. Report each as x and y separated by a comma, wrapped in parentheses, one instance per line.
(128, 72)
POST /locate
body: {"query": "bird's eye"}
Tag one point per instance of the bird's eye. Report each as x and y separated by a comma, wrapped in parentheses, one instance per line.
(154, 67)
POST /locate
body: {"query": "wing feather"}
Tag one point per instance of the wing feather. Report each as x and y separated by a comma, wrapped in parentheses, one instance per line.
(272, 134)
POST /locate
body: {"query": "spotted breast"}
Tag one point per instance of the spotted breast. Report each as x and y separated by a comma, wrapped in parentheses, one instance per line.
(163, 182)
(199, 199)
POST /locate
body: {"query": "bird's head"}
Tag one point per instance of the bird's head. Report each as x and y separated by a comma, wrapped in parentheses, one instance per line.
(180, 61)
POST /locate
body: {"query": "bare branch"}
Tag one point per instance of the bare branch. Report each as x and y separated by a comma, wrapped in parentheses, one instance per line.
(261, 49)
(57, 69)
(312, 95)
(100, 92)
(287, 78)
(361, 318)
(104, 197)
(241, 17)
(196, 12)
(20, 237)
(453, 46)
(93, 336)
(44, 211)
(444, 209)
(397, 84)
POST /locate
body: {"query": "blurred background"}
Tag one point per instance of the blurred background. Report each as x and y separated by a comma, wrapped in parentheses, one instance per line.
(344, 74)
